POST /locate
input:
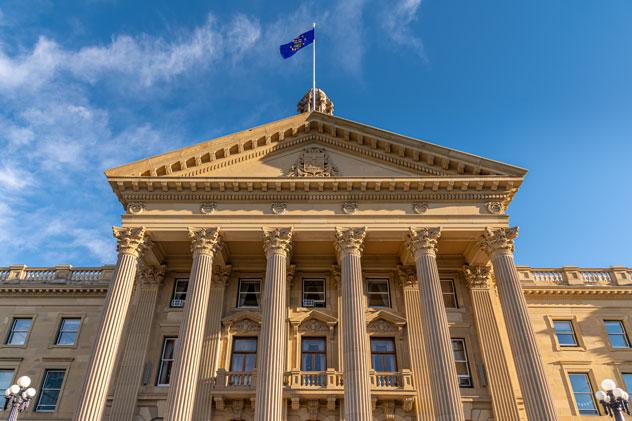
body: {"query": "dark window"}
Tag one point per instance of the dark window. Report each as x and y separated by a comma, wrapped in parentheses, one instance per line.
(313, 293)
(383, 356)
(249, 291)
(565, 332)
(583, 394)
(179, 292)
(19, 332)
(462, 363)
(449, 293)
(616, 334)
(50, 391)
(166, 361)
(314, 354)
(68, 331)
(378, 293)
(244, 356)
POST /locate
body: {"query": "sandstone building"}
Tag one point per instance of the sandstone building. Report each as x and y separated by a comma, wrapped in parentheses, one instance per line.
(315, 268)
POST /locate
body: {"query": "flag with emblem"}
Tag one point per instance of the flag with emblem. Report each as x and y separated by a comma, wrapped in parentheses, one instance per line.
(289, 49)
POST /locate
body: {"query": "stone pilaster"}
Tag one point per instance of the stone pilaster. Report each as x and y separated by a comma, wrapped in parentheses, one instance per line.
(479, 282)
(131, 242)
(205, 242)
(131, 367)
(418, 354)
(357, 390)
(211, 344)
(422, 243)
(273, 341)
(498, 244)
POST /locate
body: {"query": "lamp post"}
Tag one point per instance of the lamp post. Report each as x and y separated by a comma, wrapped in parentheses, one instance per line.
(613, 399)
(18, 396)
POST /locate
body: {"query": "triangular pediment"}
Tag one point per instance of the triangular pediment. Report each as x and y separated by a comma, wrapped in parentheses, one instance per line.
(314, 145)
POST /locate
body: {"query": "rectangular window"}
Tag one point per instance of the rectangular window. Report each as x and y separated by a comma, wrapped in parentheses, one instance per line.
(50, 391)
(6, 380)
(383, 356)
(179, 292)
(616, 334)
(313, 354)
(166, 361)
(19, 332)
(627, 380)
(449, 293)
(249, 291)
(583, 393)
(462, 363)
(378, 293)
(244, 356)
(68, 331)
(565, 333)
(313, 293)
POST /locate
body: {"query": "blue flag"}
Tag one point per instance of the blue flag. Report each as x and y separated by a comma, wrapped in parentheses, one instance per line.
(289, 49)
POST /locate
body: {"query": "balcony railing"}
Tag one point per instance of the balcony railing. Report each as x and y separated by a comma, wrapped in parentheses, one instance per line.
(59, 274)
(574, 276)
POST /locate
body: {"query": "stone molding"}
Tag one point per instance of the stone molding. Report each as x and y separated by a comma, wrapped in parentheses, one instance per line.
(221, 276)
(478, 277)
(277, 240)
(205, 241)
(497, 240)
(350, 240)
(131, 240)
(423, 239)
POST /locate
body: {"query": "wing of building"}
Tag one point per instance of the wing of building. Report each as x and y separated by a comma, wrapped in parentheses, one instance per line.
(315, 268)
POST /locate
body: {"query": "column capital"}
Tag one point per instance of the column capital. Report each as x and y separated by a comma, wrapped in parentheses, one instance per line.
(423, 239)
(350, 240)
(478, 277)
(131, 240)
(205, 241)
(151, 275)
(277, 240)
(407, 276)
(496, 240)
(221, 275)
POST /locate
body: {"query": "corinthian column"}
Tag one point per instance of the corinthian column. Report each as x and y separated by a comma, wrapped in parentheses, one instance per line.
(273, 341)
(205, 242)
(130, 370)
(422, 243)
(211, 345)
(357, 390)
(94, 393)
(479, 282)
(498, 244)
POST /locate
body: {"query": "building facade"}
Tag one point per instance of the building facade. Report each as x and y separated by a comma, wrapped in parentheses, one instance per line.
(315, 268)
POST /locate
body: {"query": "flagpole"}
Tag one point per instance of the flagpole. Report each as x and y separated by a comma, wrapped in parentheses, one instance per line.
(314, 71)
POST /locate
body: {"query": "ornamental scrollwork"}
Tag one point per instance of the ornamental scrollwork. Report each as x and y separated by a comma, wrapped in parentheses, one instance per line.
(151, 276)
(349, 207)
(423, 239)
(131, 240)
(277, 240)
(382, 326)
(350, 240)
(279, 208)
(313, 162)
(205, 241)
(135, 208)
(208, 208)
(495, 208)
(478, 277)
(420, 208)
(498, 240)
(314, 325)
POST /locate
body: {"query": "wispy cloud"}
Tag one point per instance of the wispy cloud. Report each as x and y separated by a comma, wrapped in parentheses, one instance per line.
(397, 18)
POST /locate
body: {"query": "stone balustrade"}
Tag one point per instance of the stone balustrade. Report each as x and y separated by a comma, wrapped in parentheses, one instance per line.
(574, 276)
(62, 274)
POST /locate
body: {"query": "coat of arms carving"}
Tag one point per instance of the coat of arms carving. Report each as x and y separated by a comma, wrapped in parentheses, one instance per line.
(313, 162)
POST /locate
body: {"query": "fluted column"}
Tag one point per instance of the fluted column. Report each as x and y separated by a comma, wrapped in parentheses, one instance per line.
(272, 341)
(498, 244)
(131, 241)
(357, 390)
(479, 282)
(211, 344)
(422, 243)
(418, 352)
(205, 242)
(130, 371)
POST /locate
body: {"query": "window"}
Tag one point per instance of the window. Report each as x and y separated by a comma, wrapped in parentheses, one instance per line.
(68, 331)
(583, 394)
(462, 364)
(383, 357)
(377, 292)
(627, 380)
(50, 391)
(6, 380)
(244, 356)
(449, 293)
(313, 293)
(249, 290)
(179, 292)
(166, 361)
(314, 354)
(19, 332)
(565, 333)
(616, 334)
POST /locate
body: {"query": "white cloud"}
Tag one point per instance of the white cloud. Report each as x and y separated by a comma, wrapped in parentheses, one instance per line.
(13, 179)
(396, 21)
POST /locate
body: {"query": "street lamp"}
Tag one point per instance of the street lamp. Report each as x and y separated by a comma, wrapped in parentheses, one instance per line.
(18, 396)
(614, 400)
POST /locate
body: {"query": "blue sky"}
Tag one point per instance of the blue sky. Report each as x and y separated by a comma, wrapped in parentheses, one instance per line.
(545, 85)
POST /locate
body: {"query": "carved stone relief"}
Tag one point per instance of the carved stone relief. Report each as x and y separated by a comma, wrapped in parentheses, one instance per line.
(420, 208)
(495, 208)
(279, 208)
(313, 162)
(208, 208)
(314, 325)
(349, 207)
(381, 325)
(135, 207)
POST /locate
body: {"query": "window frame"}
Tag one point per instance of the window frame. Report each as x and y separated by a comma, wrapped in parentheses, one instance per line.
(624, 334)
(174, 292)
(40, 393)
(388, 292)
(452, 294)
(573, 333)
(11, 331)
(60, 331)
(162, 360)
(466, 361)
(394, 353)
(591, 393)
(258, 294)
(232, 352)
(324, 300)
(314, 353)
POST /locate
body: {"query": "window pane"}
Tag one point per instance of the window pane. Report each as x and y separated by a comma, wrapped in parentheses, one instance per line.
(249, 293)
(245, 345)
(250, 362)
(50, 390)
(377, 293)
(618, 341)
(66, 338)
(312, 344)
(382, 345)
(22, 325)
(461, 362)
(383, 357)
(237, 362)
(583, 393)
(6, 379)
(389, 363)
(17, 338)
(378, 286)
(627, 379)
(71, 325)
(613, 327)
